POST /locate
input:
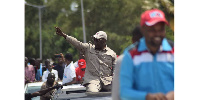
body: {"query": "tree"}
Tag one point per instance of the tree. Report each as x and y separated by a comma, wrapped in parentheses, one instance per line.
(116, 17)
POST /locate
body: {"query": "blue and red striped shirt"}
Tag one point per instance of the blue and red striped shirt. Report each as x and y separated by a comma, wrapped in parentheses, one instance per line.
(142, 72)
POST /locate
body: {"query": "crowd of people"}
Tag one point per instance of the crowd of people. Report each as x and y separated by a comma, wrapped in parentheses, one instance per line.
(145, 70)
(34, 67)
(63, 71)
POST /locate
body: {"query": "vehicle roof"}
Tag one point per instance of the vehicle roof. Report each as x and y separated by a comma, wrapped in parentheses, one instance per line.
(76, 92)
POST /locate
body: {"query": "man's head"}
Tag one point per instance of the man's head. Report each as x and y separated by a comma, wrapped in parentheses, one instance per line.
(100, 39)
(37, 62)
(153, 28)
(47, 64)
(60, 61)
(68, 58)
(82, 64)
(51, 78)
(32, 61)
(136, 34)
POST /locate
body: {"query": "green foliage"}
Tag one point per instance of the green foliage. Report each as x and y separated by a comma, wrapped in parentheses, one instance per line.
(116, 17)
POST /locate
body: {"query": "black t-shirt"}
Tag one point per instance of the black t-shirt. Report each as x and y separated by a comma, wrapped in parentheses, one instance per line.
(60, 70)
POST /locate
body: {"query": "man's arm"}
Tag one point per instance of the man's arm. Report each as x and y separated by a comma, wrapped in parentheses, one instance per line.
(62, 56)
(42, 92)
(72, 75)
(127, 92)
(79, 81)
(114, 63)
(77, 44)
(72, 82)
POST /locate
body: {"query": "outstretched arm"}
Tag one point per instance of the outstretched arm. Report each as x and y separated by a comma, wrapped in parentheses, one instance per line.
(126, 79)
(60, 33)
(44, 91)
(77, 44)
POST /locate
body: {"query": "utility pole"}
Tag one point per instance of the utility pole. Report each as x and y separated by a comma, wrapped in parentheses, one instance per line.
(40, 23)
(83, 22)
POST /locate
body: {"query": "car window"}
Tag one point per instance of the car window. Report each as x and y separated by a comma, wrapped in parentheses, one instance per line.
(33, 89)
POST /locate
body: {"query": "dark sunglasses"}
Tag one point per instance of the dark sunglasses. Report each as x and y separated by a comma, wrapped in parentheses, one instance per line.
(97, 40)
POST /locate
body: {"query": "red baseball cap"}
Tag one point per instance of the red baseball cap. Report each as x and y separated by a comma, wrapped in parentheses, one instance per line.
(82, 63)
(151, 17)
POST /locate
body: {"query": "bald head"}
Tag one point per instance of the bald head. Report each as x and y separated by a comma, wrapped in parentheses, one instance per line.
(51, 75)
(51, 78)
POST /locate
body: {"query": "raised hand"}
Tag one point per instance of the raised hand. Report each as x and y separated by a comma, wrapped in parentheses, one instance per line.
(59, 32)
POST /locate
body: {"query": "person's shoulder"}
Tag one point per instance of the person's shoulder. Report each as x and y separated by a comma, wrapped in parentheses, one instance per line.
(132, 46)
(72, 67)
(90, 45)
(43, 84)
(76, 62)
(31, 66)
(45, 72)
(132, 52)
(54, 70)
(76, 68)
(110, 51)
(120, 57)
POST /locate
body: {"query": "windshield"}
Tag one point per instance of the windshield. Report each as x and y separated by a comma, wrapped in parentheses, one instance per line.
(32, 89)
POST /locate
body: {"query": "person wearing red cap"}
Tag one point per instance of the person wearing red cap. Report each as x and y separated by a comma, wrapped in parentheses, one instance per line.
(147, 71)
(80, 70)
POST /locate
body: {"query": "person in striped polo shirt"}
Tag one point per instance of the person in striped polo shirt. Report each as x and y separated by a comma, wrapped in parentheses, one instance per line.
(147, 71)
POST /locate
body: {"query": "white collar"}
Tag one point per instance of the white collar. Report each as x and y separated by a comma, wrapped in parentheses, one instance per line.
(69, 64)
(51, 70)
